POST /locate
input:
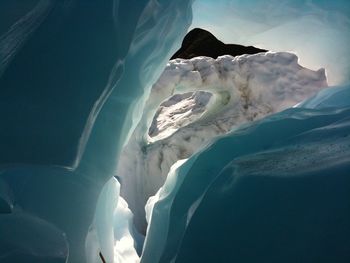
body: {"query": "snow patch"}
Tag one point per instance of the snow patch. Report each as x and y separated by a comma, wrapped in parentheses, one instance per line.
(177, 112)
(199, 99)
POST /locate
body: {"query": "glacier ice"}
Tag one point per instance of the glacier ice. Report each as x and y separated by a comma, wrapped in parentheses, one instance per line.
(27, 238)
(74, 79)
(279, 191)
(199, 99)
(111, 233)
(72, 73)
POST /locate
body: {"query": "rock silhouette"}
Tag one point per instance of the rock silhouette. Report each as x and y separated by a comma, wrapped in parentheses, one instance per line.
(199, 42)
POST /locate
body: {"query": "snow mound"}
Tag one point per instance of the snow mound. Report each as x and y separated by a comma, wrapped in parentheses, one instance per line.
(177, 112)
(199, 99)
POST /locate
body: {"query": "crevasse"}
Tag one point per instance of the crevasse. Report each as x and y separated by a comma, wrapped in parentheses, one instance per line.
(74, 80)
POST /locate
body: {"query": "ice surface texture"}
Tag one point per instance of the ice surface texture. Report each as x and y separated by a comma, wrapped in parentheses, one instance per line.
(74, 76)
(276, 190)
(71, 76)
(199, 99)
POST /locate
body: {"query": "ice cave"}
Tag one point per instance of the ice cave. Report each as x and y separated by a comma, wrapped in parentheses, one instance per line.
(174, 131)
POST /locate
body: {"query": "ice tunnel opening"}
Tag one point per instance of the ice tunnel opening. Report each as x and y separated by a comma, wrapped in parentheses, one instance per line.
(166, 134)
(317, 31)
(308, 33)
(159, 145)
(106, 55)
(199, 99)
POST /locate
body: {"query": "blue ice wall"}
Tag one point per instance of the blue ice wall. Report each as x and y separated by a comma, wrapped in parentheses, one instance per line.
(71, 75)
(277, 190)
(60, 63)
(56, 61)
(73, 78)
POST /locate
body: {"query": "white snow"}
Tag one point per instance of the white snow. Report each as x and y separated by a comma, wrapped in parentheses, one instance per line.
(177, 112)
(199, 99)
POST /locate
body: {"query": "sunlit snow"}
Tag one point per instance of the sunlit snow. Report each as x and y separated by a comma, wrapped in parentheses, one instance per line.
(199, 99)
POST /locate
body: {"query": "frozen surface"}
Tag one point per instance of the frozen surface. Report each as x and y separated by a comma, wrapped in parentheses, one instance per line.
(178, 111)
(112, 229)
(25, 238)
(199, 99)
(287, 173)
(71, 75)
(74, 79)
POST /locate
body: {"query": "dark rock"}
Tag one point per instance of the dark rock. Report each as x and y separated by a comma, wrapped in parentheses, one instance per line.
(199, 42)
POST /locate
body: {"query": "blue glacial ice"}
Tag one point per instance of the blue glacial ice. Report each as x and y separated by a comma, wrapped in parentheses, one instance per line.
(278, 191)
(75, 76)
(72, 76)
